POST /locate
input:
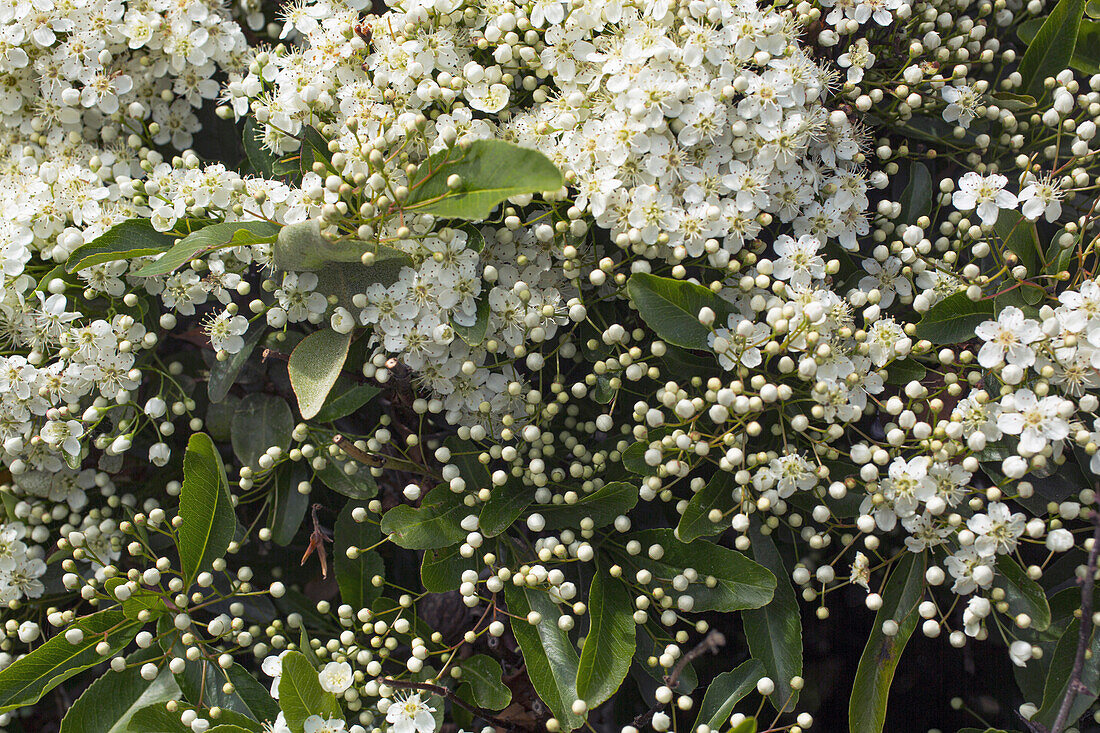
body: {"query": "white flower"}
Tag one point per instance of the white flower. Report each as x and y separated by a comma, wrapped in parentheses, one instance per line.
(317, 724)
(985, 193)
(1020, 653)
(411, 714)
(798, 260)
(336, 677)
(861, 571)
(1035, 421)
(1008, 339)
(272, 666)
(1041, 198)
(998, 529)
(279, 725)
(227, 332)
(962, 104)
(1059, 540)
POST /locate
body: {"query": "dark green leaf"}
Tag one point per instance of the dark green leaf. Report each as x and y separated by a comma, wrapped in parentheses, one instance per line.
(904, 371)
(1052, 48)
(475, 334)
(916, 199)
(208, 239)
(433, 525)
(205, 507)
(671, 308)
(1086, 54)
(1013, 102)
(506, 503)
(260, 422)
(609, 645)
(354, 575)
(695, 521)
(301, 694)
(954, 319)
(156, 719)
(124, 241)
(314, 365)
(1022, 594)
(774, 632)
(314, 149)
(359, 485)
(32, 676)
(602, 506)
(224, 373)
(254, 695)
(550, 656)
(441, 570)
(726, 691)
(201, 682)
(288, 505)
(110, 701)
(871, 690)
(489, 171)
(265, 162)
(740, 582)
(1058, 678)
(481, 683)
(342, 402)
(1020, 237)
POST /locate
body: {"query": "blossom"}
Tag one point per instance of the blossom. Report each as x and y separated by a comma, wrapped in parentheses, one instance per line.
(336, 677)
(1041, 198)
(411, 714)
(1008, 339)
(227, 332)
(317, 724)
(985, 193)
(1037, 421)
(962, 104)
(998, 529)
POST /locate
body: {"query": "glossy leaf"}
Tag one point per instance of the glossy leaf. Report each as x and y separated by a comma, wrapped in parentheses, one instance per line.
(343, 402)
(1022, 594)
(954, 319)
(774, 632)
(288, 505)
(28, 678)
(481, 683)
(302, 247)
(124, 241)
(726, 691)
(110, 701)
(359, 485)
(550, 656)
(1020, 237)
(695, 521)
(601, 506)
(1051, 50)
(916, 198)
(875, 673)
(259, 422)
(489, 171)
(354, 575)
(209, 239)
(432, 525)
(314, 366)
(223, 374)
(156, 719)
(205, 507)
(474, 334)
(265, 162)
(671, 308)
(301, 694)
(609, 645)
(506, 503)
(441, 570)
(1058, 678)
(740, 582)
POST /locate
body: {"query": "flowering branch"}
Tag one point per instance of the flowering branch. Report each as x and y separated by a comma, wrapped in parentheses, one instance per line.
(450, 695)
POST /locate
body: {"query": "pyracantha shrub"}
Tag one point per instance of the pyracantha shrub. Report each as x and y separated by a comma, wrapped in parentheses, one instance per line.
(476, 364)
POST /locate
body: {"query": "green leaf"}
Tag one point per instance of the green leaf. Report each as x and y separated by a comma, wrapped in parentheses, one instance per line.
(260, 422)
(875, 673)
(550, 656)
(740, 582)
(602, 506)
(1086, 54)
(342, 402)
(441, 570)
(671, 308)
(695, 521)
(489, 172)
(141, 600)
(1058, 678)
(1014, 102)
(301, 247)
(916, 199)
(954, 319)
(726, 691)
(201, 682)
(205, 507)
(481, 683)
(354, 576)
(254, 695)
(359, 485)
(433, 525)
(314, 149)
(1020, 237)
(1092, 9)
(156, 719)
(609, 645)
(32, 676)
(223, 374)
(748, 725)
(288, 505)
(1022, 594)
(314, 365)
(110, 701)
(474, 335)
(208, 239)
(774, 632)
(124, 241)
(904, 371)
(301, 694)
(265, 162)
(1052, 48)
(506, 503)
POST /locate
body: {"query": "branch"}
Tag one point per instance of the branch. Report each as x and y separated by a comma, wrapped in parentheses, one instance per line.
(712, 642)
(447, 693)
(1084, 633)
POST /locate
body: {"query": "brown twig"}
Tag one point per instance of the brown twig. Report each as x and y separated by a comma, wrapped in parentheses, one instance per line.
(317, 539)
(378, 460)
(711, 643)
(1084, 633)
(447, 693)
